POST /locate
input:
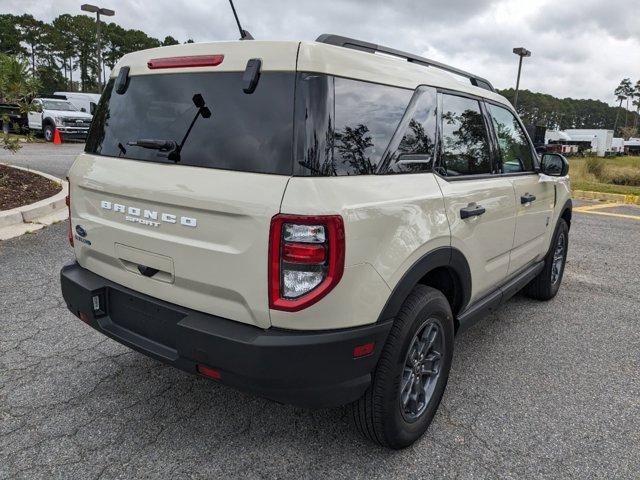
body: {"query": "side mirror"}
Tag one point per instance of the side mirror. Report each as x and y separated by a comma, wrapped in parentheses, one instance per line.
(554, 165)
(82, 109)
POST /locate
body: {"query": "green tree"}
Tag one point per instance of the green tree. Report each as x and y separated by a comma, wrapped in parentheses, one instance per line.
(50, 79)
(622, 93)
(562, 113)
(31, 32)
(10, 36)
(17, 86)
(65, 45)
(636, 102)
(169, 40)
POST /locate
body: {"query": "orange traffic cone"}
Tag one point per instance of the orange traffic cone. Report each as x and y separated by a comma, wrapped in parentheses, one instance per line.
(57, 139)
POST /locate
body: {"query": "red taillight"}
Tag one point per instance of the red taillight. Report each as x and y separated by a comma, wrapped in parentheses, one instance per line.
(68, 202)
(209, 372)
(185, 62)
(306, 259)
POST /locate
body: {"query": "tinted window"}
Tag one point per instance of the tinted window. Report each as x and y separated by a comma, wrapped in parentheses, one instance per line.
(314, 126)
(343, 127)
(465, 148)
(514, 146)
(248, 132)
(413, 146)
(366, 115)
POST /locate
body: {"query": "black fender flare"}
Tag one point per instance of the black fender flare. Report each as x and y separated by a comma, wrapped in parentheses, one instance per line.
(440, 257)
(567, 207)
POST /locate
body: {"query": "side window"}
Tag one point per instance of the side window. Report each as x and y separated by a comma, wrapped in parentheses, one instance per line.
(366, 116)
(514, 146)
(465, 145)
(413, 146)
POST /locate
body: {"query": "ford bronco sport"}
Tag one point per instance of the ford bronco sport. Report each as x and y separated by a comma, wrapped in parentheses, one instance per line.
(312, 222)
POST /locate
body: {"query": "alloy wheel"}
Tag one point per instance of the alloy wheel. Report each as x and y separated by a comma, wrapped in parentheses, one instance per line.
(421, 369)
(558, 258)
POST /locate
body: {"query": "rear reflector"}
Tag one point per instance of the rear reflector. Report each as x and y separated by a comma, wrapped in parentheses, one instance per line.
(186, 62)
(209, 372)
(303, 253)
(84, 317)
(364, 350)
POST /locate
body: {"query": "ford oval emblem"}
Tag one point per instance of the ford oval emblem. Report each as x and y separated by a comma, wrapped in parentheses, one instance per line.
(81, 231)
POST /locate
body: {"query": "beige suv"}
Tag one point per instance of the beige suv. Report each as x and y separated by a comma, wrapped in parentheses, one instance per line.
(309, 221)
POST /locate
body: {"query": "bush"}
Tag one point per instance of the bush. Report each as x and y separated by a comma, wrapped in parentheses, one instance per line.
(623, 176)
(595, 166)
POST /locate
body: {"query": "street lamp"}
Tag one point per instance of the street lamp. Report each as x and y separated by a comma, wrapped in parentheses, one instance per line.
(521, 52)
(107, 13)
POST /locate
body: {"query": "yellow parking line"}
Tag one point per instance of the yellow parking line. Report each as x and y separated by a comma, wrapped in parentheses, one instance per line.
(608, 214)
(597, 206)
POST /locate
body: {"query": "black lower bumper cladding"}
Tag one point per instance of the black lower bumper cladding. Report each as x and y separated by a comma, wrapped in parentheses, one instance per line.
(313, 369)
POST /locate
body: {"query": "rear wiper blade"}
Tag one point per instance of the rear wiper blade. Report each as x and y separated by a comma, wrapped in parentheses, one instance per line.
(170, 148)
(154, 144)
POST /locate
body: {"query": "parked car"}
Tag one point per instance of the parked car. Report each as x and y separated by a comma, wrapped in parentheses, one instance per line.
(309, 221)
(51, 113)
(11, 118)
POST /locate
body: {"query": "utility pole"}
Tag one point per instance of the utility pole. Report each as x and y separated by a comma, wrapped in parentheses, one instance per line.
(521, 52)
(107, 13)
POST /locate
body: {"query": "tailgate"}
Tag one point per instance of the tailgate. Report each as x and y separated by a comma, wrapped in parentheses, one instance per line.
(196, 237)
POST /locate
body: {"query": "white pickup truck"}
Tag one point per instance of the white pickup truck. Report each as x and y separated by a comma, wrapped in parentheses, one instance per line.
(51, 113)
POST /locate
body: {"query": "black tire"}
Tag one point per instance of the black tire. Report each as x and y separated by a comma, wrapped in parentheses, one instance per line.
(48, 132)
(379, 414)
(545, 286)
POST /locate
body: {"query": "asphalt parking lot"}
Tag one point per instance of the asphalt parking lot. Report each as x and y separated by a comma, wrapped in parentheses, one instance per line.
(537, 390)
(45, 157)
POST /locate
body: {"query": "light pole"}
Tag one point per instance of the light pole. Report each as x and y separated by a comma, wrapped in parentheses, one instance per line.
(521, 52)
(107, 13)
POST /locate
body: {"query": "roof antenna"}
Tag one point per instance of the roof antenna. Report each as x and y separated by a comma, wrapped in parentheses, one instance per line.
(244, 35)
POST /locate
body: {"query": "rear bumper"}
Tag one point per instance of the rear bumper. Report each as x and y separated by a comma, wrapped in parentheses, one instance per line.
(313, 369)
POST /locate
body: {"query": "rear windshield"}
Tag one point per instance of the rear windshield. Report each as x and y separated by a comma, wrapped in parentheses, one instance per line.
(246, 132)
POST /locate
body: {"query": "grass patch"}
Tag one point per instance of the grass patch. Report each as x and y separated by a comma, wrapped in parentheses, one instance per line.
(609, 175)
(26, 138)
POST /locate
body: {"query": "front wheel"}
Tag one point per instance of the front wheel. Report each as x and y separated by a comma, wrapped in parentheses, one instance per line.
(412, 372)
(545, 286)
(48, 133)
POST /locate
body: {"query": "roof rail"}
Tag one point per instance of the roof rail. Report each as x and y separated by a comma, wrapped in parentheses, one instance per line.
(347, 42)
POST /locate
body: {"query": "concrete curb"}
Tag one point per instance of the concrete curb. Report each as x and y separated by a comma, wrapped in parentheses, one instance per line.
(607, 197)
(21, 220)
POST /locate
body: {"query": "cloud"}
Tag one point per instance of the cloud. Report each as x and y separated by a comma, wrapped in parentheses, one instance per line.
(581, 48)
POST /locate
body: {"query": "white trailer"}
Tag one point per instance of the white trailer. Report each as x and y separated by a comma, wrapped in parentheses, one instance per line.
(85, 102)
(603, 138)
(617, 145)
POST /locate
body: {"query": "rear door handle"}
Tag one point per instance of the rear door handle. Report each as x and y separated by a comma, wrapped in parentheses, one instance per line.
(471, 211)
(527, 198)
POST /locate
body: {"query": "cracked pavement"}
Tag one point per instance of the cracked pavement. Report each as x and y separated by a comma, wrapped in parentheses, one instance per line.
(537, 390)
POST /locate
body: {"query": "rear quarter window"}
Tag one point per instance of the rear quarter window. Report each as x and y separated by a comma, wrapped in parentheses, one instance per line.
(343, 126)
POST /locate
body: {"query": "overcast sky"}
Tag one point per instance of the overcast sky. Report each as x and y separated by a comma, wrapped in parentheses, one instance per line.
(581, 48)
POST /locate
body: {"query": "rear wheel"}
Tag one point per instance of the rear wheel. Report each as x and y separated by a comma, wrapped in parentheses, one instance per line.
(48, 132)
(545, 286)
(412, 373)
